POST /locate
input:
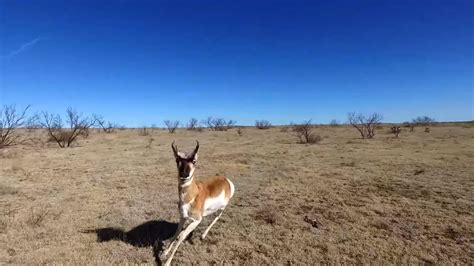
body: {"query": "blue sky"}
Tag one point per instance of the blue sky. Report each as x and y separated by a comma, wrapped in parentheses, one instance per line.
(141, 62)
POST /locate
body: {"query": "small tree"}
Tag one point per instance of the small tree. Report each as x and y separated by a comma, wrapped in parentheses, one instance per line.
(240, 131)
(365, 125)
(10, 120)
(304, 132)
(262, 124)
(171, 125)
(192, 124)
(77, 125)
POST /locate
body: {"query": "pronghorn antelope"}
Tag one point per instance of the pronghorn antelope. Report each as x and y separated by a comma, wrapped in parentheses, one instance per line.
(197, 199)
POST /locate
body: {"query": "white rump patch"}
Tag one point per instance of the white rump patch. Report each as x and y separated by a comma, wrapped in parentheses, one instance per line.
(211, 205)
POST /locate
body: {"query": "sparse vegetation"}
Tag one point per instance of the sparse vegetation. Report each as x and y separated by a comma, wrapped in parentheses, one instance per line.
(77, 125)
(106, 126)
(10, 120)
(304, 132)
(365, 125)
(193, 124)
(263, 124)
(240, 131)
(334, 123)
(171, 125)
(219, 124)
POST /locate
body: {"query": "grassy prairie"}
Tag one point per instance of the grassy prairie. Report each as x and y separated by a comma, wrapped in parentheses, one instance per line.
(345, 200)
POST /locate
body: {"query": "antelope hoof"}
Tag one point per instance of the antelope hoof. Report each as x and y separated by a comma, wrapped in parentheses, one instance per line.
(203, 236)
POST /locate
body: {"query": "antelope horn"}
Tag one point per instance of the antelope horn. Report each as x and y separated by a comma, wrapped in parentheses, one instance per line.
(197, 147)
(175, 148)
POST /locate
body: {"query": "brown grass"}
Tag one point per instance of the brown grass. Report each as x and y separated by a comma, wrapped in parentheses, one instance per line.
(346, 200)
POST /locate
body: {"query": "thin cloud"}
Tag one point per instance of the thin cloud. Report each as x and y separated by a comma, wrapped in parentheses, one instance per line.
(22, 48)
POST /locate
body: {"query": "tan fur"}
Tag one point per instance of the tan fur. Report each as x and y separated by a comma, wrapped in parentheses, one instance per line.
(198, 191)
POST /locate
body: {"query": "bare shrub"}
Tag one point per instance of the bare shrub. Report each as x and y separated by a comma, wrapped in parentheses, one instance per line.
(193, 124)
(218, 124)
(427, 129)
(284, 129)
(107, 127)
(171, 125)
(240, 131)
(334, 123)
(395, 130)
(10, 120)
(77, 125)
(263, 124)
(304, 132)
(423, 121)
(365, 125)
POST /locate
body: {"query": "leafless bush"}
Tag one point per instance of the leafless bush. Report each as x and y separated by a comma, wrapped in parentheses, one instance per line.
(263, 124)
(334, 123)
(365, 125)
(218, 124)
(107, 127)
(77, 125)
(171, 125)
(284, 129)
(423, 121)
(193, 124)
(240, 131)
(395, 130)
(427, 129)
(10, 120)
(304, 132)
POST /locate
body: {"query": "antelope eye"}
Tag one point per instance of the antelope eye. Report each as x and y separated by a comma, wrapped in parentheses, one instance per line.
(194, 161)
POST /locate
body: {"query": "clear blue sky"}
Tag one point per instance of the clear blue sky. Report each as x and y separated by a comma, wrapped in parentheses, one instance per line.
(140, 62)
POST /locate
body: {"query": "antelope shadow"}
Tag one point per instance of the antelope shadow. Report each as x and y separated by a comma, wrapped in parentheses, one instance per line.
(149, 234)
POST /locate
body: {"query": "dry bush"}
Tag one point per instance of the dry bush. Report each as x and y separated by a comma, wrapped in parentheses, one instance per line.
(65, 137)
(365, 125)
(395, 130)
(107, 127)
(263, 124)
(427, 129)
(334, 123)
(304, 132)
(171, 125)
(10, 120)
(240, 131)
(219, 124)
(193, 124)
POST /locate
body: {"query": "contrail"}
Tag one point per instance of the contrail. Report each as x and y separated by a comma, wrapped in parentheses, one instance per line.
(22, 48)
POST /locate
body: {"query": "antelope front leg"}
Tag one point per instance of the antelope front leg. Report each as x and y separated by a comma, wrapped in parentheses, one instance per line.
(173, 238)
(182, 236)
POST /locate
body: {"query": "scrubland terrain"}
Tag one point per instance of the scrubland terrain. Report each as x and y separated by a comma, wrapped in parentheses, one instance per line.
(111, 198)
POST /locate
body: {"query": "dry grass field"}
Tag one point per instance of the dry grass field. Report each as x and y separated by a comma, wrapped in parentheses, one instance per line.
(344, 200)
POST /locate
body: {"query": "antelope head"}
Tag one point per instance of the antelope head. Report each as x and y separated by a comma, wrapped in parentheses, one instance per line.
(186, 163)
